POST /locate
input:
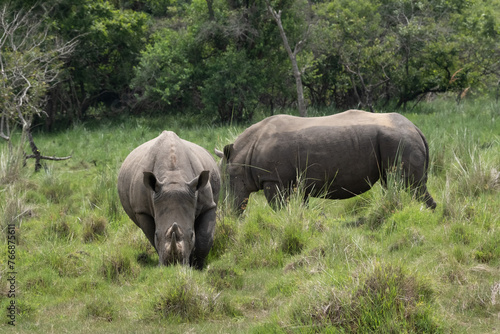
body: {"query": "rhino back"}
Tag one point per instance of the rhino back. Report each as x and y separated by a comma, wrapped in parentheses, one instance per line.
(345, 148)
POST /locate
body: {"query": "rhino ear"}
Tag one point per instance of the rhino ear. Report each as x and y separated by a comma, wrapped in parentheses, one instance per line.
(200, 181)
(150, 180)
(227, 151)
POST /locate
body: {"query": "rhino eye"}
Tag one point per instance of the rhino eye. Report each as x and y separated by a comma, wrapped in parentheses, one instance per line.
(192, 236)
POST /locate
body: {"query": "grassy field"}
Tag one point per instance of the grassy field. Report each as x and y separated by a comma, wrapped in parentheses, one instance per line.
(380, 262)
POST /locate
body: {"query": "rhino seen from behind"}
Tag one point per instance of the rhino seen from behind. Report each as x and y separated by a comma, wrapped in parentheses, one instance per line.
(337, 156)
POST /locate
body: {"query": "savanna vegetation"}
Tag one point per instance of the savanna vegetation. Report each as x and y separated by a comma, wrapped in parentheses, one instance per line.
(84, 82)
(225, 59)
(380, 262)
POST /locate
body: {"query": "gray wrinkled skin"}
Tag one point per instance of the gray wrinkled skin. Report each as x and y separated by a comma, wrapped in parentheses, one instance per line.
(169, 187)
(337, 157)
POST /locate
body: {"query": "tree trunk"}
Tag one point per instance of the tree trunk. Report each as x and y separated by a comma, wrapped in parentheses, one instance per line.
(34, 149)
(211, 14)
(293, 58)
(37, 155)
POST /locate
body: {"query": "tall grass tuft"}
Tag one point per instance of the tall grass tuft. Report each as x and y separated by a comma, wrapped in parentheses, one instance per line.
(186, 300)
(104, 194)
(224, 235)
(99, 309)
(11, 163)
(14, 210)
(472, 169)
(55, 189)
(386, 300)
(94, 227)
(225, 276)
(474, 177)
(60, 229)
(489, 251)
(385, 201)
(116, 265)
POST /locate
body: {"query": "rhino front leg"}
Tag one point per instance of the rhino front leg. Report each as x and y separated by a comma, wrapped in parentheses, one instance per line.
(147, 225)
(275, 194)
(204, 238)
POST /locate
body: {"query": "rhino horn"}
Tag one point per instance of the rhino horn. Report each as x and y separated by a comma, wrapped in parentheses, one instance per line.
(174, 228)
(174, 231)
(173, 243)
(218, 153)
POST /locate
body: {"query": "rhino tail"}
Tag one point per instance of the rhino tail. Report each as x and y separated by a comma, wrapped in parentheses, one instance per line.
(427, 158)
(426, 196)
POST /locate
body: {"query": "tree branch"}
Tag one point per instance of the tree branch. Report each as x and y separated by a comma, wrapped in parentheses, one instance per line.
(44, 157)
(30, 62)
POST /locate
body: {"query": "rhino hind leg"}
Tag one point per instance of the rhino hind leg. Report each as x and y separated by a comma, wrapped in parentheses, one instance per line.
(426, 197)
(204, 238)
(418, 188)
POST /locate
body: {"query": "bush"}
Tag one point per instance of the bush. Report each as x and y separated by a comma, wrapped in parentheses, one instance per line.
(232, 88)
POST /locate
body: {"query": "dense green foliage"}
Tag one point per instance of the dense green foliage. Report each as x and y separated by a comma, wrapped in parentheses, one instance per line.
(225, 59)
(380, 262)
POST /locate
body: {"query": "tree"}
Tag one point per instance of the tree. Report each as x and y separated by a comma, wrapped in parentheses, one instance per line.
(218, 61)
(30, 64)
(100, 69)
(400, 50)
(293, 58)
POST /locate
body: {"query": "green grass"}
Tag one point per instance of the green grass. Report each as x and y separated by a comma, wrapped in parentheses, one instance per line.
(380, 262)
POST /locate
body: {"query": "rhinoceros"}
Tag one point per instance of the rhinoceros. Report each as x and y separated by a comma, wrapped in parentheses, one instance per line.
(169, 187)
(336, 157)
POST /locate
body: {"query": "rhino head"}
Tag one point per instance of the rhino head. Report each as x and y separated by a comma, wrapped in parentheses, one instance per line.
(236, 177)
(174, 207)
